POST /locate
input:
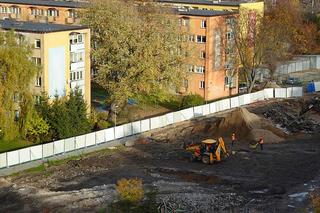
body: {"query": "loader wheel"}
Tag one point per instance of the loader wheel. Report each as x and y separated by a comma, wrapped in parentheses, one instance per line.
(206, 159)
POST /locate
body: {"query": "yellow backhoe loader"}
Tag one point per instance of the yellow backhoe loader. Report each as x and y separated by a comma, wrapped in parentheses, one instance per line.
(208, 151)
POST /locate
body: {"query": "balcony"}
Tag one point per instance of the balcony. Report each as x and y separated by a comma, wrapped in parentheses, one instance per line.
(70, 20)
(77, 65)
(76, 47)
(52, 19)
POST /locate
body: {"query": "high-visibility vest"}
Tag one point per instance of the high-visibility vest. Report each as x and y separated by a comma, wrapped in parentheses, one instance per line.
(261, 141)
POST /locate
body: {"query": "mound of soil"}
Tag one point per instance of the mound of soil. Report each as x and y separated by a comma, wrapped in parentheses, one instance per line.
(249, 126)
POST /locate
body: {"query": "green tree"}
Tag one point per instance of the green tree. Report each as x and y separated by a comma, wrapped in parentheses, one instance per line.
(67, 116)
(136, 50)
(36, 128)
(192, 100)
(17, 72)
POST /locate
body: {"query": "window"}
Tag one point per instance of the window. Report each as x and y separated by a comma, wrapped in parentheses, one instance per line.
(190, 68)
(76, 75)
(37, 61)
(16, 115)
(72, 13)
(202, 54)
(38, 82)
(15, 10)
(37, 99)
(201, 85)
(37, 43)
(16, 97)
(201, 39)
(76, 57)
(36, 11)
(185, 22)
(185, 83)
(229, 81)
(200, 69)
(80, 38)
(76, 38)
(230, 36)
(3, 9)
(53, 12)
(203, 24)
(191, 38)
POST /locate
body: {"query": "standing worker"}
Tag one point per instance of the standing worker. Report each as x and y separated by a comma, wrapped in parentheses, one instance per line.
(261, 142)
(233, 139)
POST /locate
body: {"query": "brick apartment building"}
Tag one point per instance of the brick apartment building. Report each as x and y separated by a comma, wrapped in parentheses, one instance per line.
(212, 45)
(45, 11)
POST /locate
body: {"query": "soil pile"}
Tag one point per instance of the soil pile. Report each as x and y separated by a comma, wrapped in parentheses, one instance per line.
(250, 126)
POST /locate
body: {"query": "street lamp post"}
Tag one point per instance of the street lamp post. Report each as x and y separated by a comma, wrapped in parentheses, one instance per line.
(115, 115)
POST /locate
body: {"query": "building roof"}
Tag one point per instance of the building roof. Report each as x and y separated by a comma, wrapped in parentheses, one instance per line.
(208, 13)
(49, 3)
(203, 2)
(36, 27)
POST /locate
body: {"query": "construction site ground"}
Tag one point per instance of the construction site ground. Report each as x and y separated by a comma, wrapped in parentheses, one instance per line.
(276, 179)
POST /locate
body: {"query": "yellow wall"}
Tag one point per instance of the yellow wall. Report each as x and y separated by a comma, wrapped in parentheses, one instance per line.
(54, 40)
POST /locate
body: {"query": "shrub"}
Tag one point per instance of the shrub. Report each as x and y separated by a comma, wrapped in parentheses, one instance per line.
(130, 190)
(192, 100)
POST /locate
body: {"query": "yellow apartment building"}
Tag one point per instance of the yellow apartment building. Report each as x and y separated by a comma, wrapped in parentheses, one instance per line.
(45, 11)
(214, 5)
(210, 70)
(62, 51)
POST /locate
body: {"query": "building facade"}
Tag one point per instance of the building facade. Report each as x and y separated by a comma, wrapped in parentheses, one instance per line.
(62, 52)
(217, 5)
(210, 69)
(44, 11)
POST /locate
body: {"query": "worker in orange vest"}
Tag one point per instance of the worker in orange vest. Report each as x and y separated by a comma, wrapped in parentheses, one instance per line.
(261, 142)
(233, 139)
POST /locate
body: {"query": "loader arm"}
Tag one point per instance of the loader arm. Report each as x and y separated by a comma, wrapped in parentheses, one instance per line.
(220, 147)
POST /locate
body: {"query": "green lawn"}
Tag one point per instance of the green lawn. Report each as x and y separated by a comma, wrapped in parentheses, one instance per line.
(12, 145)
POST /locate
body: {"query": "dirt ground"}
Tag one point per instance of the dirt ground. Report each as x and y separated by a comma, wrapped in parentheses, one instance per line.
(279, 178)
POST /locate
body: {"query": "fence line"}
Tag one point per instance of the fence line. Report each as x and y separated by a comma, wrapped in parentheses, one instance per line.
(60, 147)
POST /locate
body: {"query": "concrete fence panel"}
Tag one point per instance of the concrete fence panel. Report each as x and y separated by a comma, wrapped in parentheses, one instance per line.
(69, 144)
(100, 137)
(177, 117)
(13, 158)
(317, 86)
(47, 150)
(187, 114)
(136, 127)
(155, 122)
(247, 99)
(3, 160)
(219, 106)
(318, 62)
(298, 66)
(280, 92)
(289, 92)
(297, 91)
(241, 100)
(163, 121)
(206, 109)
(90, 139)
(127, 129)
(24, 155)
(145, 125)
(36, 152)
(198, 111)
(80, 141)
(225, 104)
(109, 134)
(253, 97)
(169, 118)
(268, 93)
(213, 107)
(58, 147)
(260, 95)
(119, 132)
(234, 102)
